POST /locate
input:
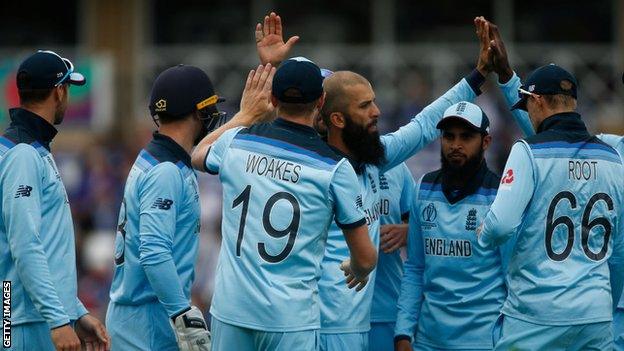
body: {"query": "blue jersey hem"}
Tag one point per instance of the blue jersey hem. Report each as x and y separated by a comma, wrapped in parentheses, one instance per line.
(556, 322)
(264, 328)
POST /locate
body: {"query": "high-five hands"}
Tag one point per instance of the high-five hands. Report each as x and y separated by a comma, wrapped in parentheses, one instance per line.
(270, 40)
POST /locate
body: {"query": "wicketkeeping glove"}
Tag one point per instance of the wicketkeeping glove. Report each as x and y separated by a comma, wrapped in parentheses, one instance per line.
(191, 331)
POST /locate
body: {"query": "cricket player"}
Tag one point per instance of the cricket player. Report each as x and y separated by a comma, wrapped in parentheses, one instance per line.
(510, 83)
(452, 289)
(350, 115)
(561, 192)
(37, 248)
(282, 187)
(158, 230)
(396, 187)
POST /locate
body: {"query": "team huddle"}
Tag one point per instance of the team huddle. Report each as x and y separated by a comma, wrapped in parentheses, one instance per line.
(317, 207)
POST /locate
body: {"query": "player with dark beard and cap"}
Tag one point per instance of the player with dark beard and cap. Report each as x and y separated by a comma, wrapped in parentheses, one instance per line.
(442, 246)
(351, 115)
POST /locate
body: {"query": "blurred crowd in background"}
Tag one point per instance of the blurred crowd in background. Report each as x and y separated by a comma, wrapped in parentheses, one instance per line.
(412, 51)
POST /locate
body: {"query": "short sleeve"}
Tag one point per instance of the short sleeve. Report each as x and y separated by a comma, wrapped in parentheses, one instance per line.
(217, 152)
(345, 193)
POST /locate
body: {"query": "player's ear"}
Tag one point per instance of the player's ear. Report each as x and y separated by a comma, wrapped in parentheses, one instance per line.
(274, 101)
(337, 119)
(487, 140)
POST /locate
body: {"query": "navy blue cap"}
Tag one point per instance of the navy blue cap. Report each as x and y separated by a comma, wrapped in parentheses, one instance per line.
(547, 80)
(181, 90)
(297, 80)
(45, 69)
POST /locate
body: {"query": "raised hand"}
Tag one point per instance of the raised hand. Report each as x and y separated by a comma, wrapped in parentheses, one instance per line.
(256, 103)
(500, 60)
(484, 62)
(270, 41)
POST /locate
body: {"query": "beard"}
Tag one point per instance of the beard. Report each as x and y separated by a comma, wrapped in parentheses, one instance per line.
(365, 146)
(462, 171)
(59, 112)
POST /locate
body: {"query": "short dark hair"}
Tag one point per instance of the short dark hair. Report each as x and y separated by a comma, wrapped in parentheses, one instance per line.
(164, 118)
(560, 100)
(291, 109)
(31, 96)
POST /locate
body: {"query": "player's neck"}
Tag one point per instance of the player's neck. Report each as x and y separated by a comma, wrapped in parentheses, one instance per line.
(181, 133)
(335, 139)
(306, 120)
(42, 110)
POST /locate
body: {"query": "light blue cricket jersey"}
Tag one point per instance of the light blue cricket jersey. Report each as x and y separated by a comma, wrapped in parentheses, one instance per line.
(510, 92)
(158, 229)
(396, 187)
(37, 250)
(562, 193)
(344, 310)
(452, 289)
(282, 187)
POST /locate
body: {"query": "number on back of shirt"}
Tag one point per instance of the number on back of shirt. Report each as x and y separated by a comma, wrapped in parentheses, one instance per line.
(566, 198)
(291, 230)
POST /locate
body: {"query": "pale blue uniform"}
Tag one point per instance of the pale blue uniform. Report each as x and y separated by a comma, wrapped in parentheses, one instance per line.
(452, 289)
(37, 248)
(155, 248)
(282, 187)
(345, 313)
(561, 193)
(396, 187)
(510, 92)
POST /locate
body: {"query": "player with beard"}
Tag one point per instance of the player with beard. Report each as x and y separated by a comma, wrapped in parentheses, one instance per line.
(452, 289)
(157, 235)
(350, 115)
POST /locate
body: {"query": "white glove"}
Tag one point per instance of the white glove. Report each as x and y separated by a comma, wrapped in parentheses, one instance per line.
(191, 331)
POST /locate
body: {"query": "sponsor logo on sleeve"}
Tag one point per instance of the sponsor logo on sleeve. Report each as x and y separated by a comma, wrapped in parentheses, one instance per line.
(507, 179)
(23, 191)
(162, 204)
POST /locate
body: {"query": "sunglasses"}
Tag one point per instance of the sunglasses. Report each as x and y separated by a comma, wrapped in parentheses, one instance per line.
(212, 120)
(522, 93)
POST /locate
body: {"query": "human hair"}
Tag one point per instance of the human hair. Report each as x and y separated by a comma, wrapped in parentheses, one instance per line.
(562, 101)
(295, 109)
(165, 118)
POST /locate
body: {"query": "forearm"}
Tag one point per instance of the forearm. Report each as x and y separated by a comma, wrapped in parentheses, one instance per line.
(510, 92)
(410, 300)
(422, 129)
(34, 273)
(165, 282)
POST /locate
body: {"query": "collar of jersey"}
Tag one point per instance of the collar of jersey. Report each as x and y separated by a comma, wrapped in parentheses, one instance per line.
(39, 128)
(565, 121)
(165, 145)
(455, 195)
(280, 122)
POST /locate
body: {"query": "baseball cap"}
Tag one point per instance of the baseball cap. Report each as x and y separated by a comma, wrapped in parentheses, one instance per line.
(46, 69)
(468, 113)
(546, 80)
(298, 80)
(182, 89)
